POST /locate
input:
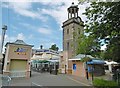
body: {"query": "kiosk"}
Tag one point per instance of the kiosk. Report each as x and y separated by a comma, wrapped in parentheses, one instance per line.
(17, 59)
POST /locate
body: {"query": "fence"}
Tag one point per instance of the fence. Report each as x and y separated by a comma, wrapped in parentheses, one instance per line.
(116, 76)
(17, 74)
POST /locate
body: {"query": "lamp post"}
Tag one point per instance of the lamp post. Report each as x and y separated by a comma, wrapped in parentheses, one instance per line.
(92, 72)
(4, 28)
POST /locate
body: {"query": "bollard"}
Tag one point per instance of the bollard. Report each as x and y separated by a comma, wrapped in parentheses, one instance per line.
(118, 76)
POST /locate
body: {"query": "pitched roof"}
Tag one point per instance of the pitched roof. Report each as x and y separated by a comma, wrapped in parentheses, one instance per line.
(93, 61)
(18, 42)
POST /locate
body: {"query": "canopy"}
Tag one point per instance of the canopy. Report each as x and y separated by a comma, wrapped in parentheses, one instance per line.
(96, 62)
(111, 62)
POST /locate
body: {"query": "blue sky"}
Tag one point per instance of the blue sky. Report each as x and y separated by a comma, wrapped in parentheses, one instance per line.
(37, 22)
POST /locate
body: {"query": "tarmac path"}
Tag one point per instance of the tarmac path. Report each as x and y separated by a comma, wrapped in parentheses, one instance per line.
(46, 79)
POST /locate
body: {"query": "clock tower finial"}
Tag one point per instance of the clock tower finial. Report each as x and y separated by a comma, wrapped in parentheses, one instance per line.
(73, 11)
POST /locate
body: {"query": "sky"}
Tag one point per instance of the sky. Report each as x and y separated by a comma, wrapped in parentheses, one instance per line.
(37, 22)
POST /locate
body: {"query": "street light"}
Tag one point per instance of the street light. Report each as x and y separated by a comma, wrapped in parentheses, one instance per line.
(4, 28)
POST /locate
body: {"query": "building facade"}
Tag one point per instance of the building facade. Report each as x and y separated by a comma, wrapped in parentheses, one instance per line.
(46, 60)
(94, 66)
(17, 59)
(72, 28)
(45, 54)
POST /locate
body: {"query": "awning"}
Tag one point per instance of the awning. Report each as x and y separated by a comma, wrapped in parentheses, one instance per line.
(96, 62)
(111, 62)
(53, 60)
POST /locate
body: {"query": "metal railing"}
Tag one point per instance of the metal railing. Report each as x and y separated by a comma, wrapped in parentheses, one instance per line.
(17, 74)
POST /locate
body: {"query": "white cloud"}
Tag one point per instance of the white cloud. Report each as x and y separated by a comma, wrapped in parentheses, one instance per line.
(11, 39)
(7, 39)
(24, 8)
(44, 31)
(14, 38)
(59, 11)
(20, 36)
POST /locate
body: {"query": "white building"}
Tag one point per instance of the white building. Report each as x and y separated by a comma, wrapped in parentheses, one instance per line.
(45, 54)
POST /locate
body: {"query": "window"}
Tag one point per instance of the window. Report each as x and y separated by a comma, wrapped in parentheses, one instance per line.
(79, 30)
(67, 31)
(67, 45)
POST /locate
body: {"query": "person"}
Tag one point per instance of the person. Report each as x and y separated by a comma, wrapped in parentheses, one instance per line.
(50, 69)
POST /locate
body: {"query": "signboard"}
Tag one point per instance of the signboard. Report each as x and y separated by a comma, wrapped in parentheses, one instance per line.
(74, 66)
(21, 51)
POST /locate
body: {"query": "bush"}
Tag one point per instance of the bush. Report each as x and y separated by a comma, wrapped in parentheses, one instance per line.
(100, 83)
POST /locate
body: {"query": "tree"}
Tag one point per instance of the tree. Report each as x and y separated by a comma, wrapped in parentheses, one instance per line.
(54, 47)
(86, 44)
(104, 24)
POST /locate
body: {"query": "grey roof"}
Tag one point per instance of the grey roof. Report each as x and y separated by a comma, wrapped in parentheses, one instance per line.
(80, 56)
(94, 60)
(19, 42)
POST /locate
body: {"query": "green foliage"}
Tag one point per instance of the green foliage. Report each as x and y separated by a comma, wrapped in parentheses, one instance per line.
(85, 59)
(87, 45)
(104, 24)
(100, 83)
(54, 47)
(43, 61)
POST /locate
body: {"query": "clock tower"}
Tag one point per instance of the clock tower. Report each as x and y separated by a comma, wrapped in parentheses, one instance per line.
(72, 28)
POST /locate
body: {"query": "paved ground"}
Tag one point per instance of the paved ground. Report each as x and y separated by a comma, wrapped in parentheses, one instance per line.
(46, 79)
(0, 80)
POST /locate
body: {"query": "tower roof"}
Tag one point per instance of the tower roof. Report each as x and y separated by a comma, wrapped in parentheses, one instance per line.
(19, 42)
(73, 6)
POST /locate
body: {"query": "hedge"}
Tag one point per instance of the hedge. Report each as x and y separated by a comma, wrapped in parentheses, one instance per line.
(101, 83)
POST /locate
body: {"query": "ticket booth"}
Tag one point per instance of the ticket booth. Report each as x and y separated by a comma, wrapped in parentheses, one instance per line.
(17, 59)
